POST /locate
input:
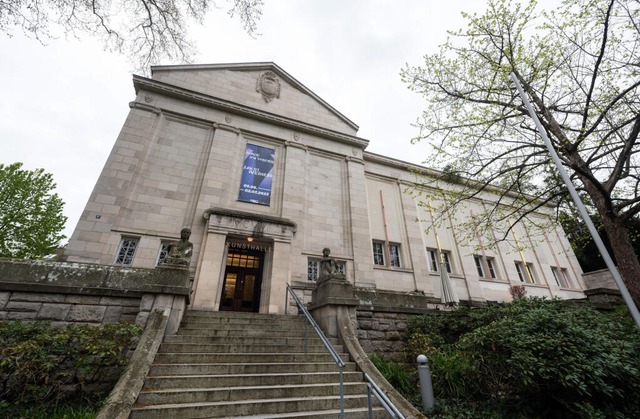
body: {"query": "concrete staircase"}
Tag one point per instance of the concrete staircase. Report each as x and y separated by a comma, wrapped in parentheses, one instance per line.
(248, 365)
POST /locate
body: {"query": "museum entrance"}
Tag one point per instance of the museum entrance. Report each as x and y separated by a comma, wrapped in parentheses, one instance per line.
(242, 280)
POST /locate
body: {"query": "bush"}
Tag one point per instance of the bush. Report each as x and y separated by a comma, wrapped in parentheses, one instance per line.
(43, 364)
(534, 358)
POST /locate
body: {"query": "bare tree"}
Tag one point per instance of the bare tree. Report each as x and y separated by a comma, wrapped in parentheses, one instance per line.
(579, 64)
(147, 31)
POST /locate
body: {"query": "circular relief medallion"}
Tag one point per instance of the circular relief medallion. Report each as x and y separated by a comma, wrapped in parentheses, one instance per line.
(268, 85)
(228, 119)
(148, 98)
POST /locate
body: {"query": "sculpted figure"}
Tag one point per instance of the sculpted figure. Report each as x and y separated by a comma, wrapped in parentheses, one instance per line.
(179, 252)
(328, 267)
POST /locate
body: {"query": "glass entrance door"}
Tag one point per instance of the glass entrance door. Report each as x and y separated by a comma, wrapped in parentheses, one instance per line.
(242, 280)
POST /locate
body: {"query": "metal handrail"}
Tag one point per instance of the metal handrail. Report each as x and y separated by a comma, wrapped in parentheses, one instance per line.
(388, 405)
(323, 338)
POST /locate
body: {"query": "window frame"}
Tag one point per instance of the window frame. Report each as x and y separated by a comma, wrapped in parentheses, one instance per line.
(480, 266)
(383, 250)
(129, 253)
(163, 251)
(529, 267)
(564, 279)
(378, 256)
(313, 273)
(395, 261)
(434, 262)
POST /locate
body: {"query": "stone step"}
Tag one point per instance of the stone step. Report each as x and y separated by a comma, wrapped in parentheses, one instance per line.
(246, 340)
(262, 407)
(357, 413)
(250, 365)
(218, 394)
(232, 330)
(248, 318)
(246, 368)
(240, 380)
(257, 357)
(239, 314)
(246, 348)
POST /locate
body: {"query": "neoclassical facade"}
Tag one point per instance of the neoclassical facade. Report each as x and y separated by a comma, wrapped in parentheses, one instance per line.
(266, 174)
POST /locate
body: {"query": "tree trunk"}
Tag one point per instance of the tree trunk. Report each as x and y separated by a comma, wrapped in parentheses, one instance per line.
(626, 259)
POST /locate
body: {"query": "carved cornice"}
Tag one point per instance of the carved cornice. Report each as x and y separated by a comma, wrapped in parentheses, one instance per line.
(248, 215)
(293, 144)
(226, 127)
(227, 221)
(357, 160)
(144, 107)
(227, 106)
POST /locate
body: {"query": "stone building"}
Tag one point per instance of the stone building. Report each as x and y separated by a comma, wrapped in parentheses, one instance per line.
(266, 174)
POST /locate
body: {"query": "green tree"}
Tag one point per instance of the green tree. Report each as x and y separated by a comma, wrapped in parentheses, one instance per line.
(147, 31)
(578, 64)
(31, 217)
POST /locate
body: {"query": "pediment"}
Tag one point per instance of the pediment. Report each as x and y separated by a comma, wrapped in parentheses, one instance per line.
(262, 86)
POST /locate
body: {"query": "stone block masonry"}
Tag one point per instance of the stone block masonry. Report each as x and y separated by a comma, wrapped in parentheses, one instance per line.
(67, 293)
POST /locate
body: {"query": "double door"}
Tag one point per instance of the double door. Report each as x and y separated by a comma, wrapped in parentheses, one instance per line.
(242, 281)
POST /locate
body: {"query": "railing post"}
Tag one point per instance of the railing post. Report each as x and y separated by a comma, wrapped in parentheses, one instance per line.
(426, 387)
(341, 366)
(305, 334)
(369, 401)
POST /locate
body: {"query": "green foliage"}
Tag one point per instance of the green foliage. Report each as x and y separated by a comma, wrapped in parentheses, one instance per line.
(85, 409)
(403, 378)
(31, 217)
(577, 65)
(585, 247)
(43, 364)
(533, 358)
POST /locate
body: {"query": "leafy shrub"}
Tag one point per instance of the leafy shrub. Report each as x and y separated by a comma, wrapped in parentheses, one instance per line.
(534, 358)
(42, 364)
(403, 378)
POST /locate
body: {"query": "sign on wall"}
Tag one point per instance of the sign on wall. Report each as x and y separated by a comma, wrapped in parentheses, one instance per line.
(257, 174)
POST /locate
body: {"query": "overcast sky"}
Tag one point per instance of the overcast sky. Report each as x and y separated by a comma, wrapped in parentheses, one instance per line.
(62, 105)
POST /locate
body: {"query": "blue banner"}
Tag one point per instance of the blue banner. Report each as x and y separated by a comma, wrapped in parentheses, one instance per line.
(257, 174)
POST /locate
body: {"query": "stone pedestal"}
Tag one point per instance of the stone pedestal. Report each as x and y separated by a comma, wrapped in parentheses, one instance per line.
(331, 300)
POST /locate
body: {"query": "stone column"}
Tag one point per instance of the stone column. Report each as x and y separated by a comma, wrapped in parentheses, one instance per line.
(274, 289)
(360, 234)
(417, 247)
(209, 277)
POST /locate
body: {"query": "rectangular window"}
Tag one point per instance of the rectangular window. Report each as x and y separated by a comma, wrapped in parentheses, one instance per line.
(434, 260)
(126, 250)
(485, 264)
(313, 268)
(561, 276)
(378, 253)
(163, 252)
(394, 251)
(525, 275)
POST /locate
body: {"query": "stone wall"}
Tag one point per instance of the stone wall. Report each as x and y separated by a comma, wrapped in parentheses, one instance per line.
(67, 308)
(599, 279)
(67, 293)
(383, 333)
(383, 318)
